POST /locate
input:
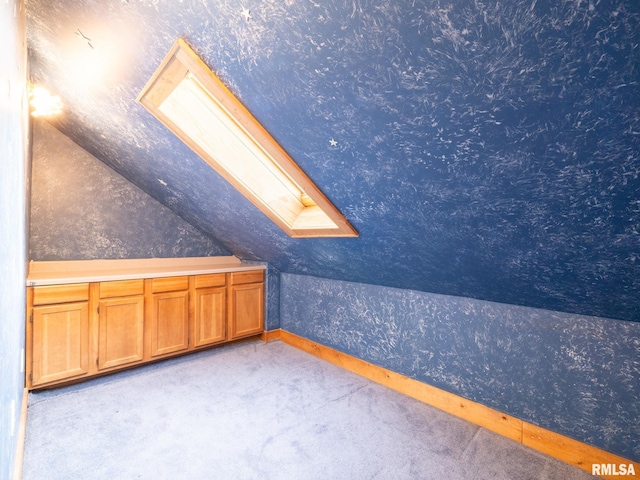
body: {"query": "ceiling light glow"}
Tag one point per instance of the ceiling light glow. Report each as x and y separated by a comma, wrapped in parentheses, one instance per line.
(43, 103)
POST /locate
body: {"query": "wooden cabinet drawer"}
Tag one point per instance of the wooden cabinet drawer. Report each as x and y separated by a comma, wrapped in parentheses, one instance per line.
(121, 288)
(51, 294)
(169, 284)
(212, 280)
(254, 276)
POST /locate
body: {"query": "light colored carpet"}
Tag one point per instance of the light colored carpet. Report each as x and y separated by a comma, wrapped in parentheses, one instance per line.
(260, 411)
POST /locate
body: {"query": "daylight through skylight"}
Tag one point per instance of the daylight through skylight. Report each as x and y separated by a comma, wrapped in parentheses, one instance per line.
(194, 104)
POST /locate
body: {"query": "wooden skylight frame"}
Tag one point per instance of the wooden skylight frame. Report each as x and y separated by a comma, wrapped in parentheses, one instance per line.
(191, 101)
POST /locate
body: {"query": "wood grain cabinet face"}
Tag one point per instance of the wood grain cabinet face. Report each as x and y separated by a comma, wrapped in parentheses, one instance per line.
(60, 336)
(77, 331)
(58, 333)
(209, 316)
(120, 323)
(55, 294)
(169, 319)
(246, 305)
(209, 310)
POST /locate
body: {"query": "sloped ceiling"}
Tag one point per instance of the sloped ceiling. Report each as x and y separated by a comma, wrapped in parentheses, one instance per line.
(481, 148)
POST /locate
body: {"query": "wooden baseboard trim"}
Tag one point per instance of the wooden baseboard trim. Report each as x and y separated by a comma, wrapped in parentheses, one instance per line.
(576, 453)
(550, 443)
(270, 336)
(22, 431)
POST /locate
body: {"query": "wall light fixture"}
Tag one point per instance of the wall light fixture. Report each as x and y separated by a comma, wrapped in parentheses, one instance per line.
(43, 103)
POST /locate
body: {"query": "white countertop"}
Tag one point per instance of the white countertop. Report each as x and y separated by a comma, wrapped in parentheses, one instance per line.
(84, 271)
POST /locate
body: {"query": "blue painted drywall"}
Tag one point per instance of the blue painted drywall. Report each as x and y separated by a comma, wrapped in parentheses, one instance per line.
(573, 374)
(14, 135)
(484, 149)
(81, 209)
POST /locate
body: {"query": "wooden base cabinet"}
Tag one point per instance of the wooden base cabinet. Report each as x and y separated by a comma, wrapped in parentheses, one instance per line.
(78, 331)
(210, 310)
(120, 323)
(58, 326)
(61, 342)
(168, 315)
(246, 308)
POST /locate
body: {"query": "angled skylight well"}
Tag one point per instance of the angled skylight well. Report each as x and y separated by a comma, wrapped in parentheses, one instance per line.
(192, 102)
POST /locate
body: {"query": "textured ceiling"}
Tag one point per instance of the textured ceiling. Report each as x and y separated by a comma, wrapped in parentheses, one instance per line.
(481, 149)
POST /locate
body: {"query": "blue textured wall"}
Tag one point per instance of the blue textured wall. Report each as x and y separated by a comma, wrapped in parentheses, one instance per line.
(81, 209)
(573, 374)
(483, 149)
(487, 150)
(13, 224)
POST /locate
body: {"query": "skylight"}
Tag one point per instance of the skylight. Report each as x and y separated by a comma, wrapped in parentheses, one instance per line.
(192, 102)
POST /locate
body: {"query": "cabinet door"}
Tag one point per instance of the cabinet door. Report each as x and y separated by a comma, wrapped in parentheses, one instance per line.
(246, 310)
(169, 327)
(121, 330)
(210, 316)
(60, 348)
